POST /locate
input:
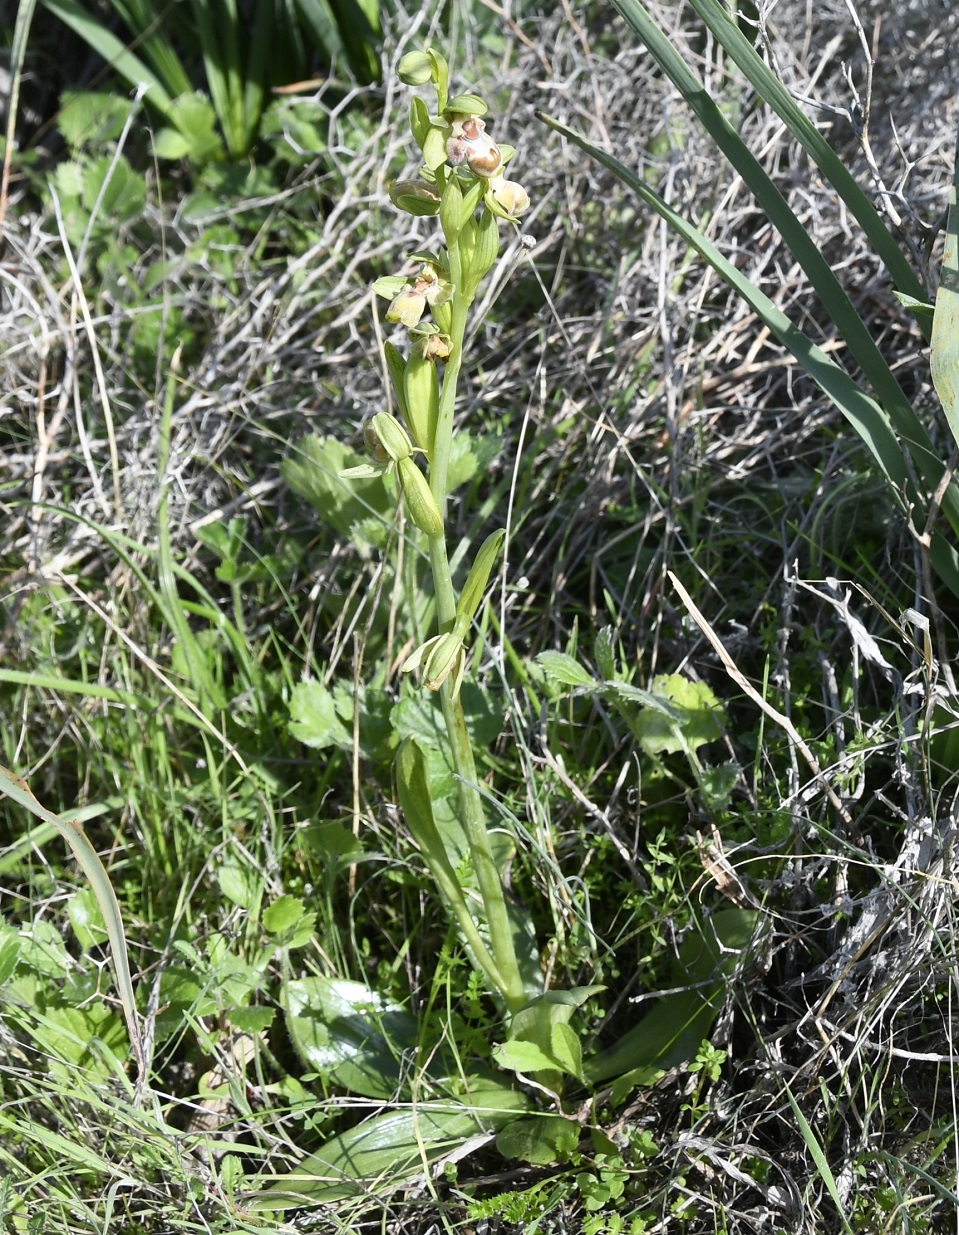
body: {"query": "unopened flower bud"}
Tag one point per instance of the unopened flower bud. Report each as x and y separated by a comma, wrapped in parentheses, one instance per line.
(506, 197)
(415, 197)
(415, 69)
(386, 438)
(441, 657)
(420, 503)
(432, 345)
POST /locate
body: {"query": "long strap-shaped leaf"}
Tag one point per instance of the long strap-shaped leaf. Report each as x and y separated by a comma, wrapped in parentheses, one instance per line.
(944, 354)
(854, 331)
(767, 85)
(871, 422)
(99, 881)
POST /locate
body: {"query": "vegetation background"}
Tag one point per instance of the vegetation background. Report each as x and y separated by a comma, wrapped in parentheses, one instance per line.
(179, 312)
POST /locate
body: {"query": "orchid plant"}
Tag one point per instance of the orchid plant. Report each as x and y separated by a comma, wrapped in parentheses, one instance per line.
(462, 182)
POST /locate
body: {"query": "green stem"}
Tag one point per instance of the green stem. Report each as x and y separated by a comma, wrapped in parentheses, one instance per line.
(471, 804)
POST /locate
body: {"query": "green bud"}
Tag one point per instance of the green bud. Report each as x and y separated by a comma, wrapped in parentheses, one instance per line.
(474, 588)
(421, 390)
(391, 436)
(415, 197)
(486, 249)
(439, 658)
(452, 213)
(420, 503)
(415, 69)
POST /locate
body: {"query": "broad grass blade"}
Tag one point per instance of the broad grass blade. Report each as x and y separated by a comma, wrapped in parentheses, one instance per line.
(130, 67)
(898, 456)
(767, 85)
(944, 353)
(99, 881)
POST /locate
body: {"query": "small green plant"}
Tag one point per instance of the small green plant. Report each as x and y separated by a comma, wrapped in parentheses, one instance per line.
(415, 455)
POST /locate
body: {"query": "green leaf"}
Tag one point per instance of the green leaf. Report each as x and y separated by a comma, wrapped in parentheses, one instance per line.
(289, 921)
(695, 722)
(672, 1032)
(350, 1036)
(193, 134)
(91, 118)
(524, 1057)
(416, 802)
(359, 510)
(944, 350)
(539, 1139)
(603, 654)
(544, 1025)
(564, 668)
(313, 718)
(113, 190)
(381, 1154)
(252, 1019)
(239, 882)
(86, 919)
(475, 586)
(567, 1050)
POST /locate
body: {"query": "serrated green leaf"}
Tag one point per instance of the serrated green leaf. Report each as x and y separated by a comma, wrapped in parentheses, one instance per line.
(698, 721)
(91, 117)
(314, 720)
(284, 915)
(564, 668)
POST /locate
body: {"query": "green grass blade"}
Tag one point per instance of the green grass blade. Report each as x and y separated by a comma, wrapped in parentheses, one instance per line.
(727, 33)
(17, 789)
(130, 67)
(944, 352)
(874, 424)
(861, 344)
(18, 53)
(870, 420)
(321, 22)
(153, 44)
(220, 45)
(819, 1157)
